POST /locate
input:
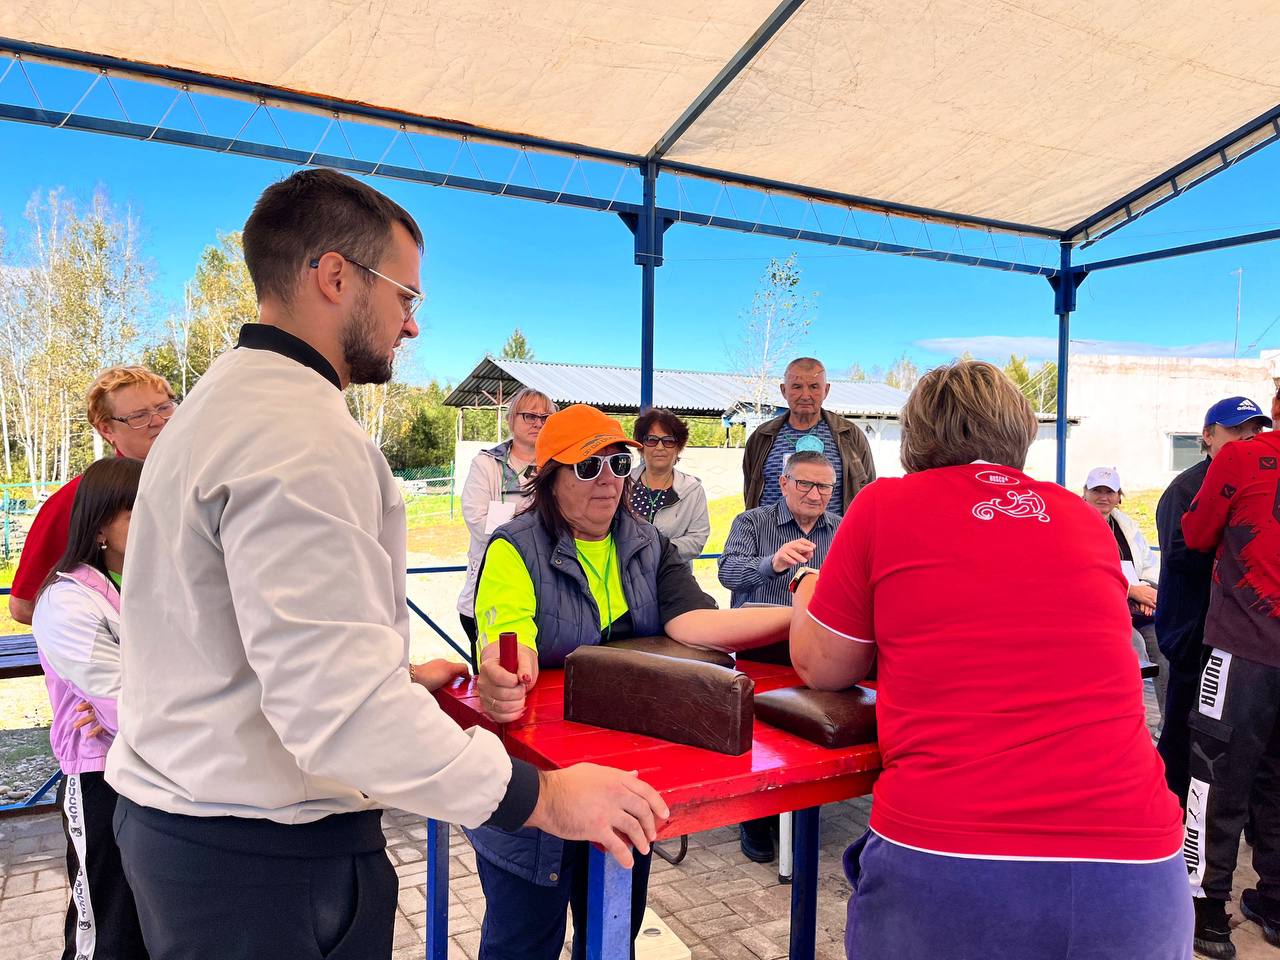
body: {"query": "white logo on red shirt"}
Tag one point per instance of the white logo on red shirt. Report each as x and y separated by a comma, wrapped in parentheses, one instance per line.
(998, 478)
(1015, 504)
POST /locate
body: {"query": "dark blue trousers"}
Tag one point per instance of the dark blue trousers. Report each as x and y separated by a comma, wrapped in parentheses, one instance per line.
(525, 921)
(910, 905)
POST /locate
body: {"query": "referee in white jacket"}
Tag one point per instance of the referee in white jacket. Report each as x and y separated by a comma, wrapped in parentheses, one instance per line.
(269, 709)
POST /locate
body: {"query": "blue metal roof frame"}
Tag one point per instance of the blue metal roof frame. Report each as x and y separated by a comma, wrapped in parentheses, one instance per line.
(617, 389)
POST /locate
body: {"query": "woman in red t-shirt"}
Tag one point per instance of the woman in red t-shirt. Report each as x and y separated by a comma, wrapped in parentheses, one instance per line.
(1023, 809)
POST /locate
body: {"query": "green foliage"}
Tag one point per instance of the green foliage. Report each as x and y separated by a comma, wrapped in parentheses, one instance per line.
(1039, 386)
(903, 373)
(420, 430)
(219, 299)
(516, 347)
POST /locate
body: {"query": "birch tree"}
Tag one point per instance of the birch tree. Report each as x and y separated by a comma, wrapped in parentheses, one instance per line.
(75, 299)
(779, 318)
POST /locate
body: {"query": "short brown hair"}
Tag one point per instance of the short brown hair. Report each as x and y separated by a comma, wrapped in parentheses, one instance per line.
(310, 214)
(966, 411)
(665, 419)
(97, 404)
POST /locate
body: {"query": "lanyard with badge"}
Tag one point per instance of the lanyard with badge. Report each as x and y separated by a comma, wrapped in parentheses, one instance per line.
(604, 581)
(500, 510)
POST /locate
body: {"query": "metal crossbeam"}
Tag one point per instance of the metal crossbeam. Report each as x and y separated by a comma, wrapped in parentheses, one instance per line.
(378, 168)
(328, 106)
(854, 243)
(773, 23)
(1205, 246)
(1221, 148)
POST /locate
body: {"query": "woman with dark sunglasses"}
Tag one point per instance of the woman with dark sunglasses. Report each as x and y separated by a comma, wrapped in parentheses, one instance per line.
(670, 499)
(577, 567)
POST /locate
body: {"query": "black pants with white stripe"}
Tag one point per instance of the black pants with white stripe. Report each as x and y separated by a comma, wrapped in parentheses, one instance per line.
(1235, 774)
(102, 921)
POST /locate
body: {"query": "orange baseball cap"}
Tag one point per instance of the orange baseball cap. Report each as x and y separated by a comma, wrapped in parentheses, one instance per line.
(575, 433)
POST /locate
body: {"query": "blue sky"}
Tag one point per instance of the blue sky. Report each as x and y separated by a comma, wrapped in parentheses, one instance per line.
(567, 279)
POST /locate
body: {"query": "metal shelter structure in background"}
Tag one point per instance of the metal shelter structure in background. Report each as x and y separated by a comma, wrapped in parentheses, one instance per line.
(617, 390)
(1042, 124)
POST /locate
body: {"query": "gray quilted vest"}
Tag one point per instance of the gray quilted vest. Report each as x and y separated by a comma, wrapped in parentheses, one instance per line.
(567, 614)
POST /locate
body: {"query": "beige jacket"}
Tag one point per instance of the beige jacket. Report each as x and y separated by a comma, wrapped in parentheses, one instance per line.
(265, 636)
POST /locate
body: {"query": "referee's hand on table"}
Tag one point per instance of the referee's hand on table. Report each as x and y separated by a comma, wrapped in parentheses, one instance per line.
(614, 809)
(502, 693)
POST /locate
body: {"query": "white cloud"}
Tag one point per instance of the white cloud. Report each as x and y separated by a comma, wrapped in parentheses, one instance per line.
(1046, 348)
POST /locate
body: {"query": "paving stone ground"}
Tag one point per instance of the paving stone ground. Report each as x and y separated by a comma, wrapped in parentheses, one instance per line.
(718, 903)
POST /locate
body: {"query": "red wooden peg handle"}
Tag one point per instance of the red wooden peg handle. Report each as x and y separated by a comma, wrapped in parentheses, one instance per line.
(507, 657)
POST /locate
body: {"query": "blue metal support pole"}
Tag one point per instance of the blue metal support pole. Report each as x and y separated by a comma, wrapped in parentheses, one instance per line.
(437, 932)
(608, 907)
(804, 886)
(646, 252)
(647, 224)
(1065, 283)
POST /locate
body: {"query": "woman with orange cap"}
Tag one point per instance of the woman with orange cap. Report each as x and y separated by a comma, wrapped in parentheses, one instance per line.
(577, 568)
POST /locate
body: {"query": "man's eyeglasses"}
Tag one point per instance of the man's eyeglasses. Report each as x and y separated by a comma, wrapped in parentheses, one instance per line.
(589, 469)
(653, 441)
(412, 299)
(531, 418)
(141, 419)
(804, 486)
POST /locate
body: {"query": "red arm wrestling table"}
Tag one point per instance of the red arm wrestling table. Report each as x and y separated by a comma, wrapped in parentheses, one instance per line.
(704, 790)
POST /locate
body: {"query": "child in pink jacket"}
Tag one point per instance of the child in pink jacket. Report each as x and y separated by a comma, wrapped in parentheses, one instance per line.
(77, 630)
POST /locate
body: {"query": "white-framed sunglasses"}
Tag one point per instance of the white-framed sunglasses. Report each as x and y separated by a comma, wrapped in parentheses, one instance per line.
(589, 468)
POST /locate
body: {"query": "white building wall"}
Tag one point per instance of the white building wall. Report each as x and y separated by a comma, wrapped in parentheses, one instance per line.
(720, 469)
(1128, 407)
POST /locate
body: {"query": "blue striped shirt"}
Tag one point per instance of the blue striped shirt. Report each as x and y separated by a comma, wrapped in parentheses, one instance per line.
(746, 564)
(784, 444)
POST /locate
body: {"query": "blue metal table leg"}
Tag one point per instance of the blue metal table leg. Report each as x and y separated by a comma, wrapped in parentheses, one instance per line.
(804, 885)
(608, 908)
(437, 890)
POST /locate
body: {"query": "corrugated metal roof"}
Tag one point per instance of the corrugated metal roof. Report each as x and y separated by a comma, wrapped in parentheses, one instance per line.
(617, 389)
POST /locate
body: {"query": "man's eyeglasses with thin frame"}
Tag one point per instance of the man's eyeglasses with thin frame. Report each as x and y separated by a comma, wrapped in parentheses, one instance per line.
(804, 486)
(141, 419)
(589, 468)
(411, 304)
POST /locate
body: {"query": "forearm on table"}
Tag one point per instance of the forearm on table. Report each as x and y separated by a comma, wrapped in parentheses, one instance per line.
(824, 659)
(730, 630)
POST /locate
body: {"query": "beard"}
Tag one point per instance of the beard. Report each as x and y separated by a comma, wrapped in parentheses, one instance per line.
(365, 363)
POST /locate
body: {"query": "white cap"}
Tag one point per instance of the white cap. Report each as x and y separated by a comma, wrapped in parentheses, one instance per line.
(1103, 477)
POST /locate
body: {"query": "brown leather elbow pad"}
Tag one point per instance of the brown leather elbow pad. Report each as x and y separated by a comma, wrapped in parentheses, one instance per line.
(684, 701)
(843, 718)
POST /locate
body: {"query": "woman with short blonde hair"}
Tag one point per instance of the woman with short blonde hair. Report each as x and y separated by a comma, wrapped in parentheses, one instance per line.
(1022, 810)
(966, 411)
(497, 486)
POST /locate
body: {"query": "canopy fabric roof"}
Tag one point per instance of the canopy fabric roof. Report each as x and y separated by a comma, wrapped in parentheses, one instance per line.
(1039, 113)
(617, 389)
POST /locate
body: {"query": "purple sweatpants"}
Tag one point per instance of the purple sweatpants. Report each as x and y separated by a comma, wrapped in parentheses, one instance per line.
(908, 905)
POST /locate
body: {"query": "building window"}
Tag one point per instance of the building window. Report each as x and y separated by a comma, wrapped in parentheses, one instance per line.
(1184, 451)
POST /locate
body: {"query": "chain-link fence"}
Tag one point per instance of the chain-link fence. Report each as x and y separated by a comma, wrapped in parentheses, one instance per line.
(17, 508)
